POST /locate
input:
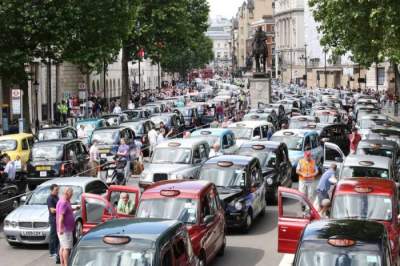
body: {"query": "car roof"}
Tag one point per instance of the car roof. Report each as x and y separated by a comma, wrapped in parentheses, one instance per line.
(182, 143)
(373, 116)
(88, 120)
(54, 127)
(367, 231)
(109, 128)
(250, 124)
(211, 132)
(235, 159)
(15, 136)
(378, 185)
(70, 181)
(56, 141)
(295, 132)
(371, 160)
(269, 145)
(139, 228)
(186, 187)
(378, 143)
(303, 118)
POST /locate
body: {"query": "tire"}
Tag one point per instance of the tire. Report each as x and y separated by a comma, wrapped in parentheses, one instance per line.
(31, 187)
(221, 251)
(78, 231)
(249, 222)
(202, 259)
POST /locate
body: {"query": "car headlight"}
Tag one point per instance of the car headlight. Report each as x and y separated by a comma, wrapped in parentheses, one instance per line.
(270, 181)
(10, 223)
(7, 223)
(238, 206)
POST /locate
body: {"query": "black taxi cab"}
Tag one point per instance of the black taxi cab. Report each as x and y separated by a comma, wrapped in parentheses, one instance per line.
(275, 165)
(135, 242)
(240, 186)
(344, 242)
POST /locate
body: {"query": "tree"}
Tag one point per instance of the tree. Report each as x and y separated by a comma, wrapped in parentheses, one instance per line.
(367, 29)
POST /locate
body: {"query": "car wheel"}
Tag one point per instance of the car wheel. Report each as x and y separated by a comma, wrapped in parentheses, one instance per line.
(31, 187)
(222, 249)
(202, 259)
(248, 222)
(78, 231)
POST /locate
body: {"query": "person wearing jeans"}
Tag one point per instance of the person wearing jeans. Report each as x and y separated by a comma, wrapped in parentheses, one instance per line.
(51, 205)
(307, 171)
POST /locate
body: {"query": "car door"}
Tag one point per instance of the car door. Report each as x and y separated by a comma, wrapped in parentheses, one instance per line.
(317, 150)
(333, 154)
(114, 196)
(292, 219)
(286, 167)
(93, 208)
(83, 155)
(25, 150)
(257, 188)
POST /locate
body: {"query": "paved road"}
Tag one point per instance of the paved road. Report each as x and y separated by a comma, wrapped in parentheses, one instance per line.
(258, 247)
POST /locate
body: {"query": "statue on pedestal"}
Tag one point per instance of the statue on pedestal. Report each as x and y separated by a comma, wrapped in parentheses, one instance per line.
(260, 50)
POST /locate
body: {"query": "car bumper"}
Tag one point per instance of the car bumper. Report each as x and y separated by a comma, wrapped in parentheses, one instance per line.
(33, 236)
(235, 219)
(38, 180)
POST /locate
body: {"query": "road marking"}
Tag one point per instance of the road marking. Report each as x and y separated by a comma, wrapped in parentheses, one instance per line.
(287, 260)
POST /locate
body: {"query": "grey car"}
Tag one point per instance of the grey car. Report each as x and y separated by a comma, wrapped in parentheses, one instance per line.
(175, 159)
(29, 223)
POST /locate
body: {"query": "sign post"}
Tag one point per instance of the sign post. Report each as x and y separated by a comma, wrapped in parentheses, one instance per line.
(17, 107)
(84, 95)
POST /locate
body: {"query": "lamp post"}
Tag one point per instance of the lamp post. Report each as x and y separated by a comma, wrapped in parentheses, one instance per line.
(36, 88)
(326, 82)
(304, 57)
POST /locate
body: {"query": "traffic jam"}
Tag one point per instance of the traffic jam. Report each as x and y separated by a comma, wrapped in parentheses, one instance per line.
(167, 182)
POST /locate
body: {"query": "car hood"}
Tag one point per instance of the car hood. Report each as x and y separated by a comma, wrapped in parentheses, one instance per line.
(227, 195)
(29, 213)
(165, 168)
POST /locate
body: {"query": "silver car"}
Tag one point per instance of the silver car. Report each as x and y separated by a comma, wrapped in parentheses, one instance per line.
(29, 223)
(175, 159)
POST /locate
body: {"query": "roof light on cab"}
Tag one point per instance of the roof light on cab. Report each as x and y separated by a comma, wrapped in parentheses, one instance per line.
(116, 240)
(337, 242)
(169, 192)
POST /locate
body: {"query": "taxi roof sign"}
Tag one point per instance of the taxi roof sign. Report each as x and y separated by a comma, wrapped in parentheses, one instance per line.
(169, 192)
(116, 240)
(359, 189)
(225, 163)
(366, 163)
(339, 242)
(288, 133)
(258, 147)
(174, 144)
(205, 132)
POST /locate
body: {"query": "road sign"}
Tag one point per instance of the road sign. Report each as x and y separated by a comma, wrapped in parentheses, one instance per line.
(15, 93)
(82, 86)
(16, 99)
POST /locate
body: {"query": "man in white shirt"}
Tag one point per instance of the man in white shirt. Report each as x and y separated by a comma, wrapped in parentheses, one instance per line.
(81, 132)
(10, 168)
(117, 109)
(152, 135)
(131, 105)
(94, 158)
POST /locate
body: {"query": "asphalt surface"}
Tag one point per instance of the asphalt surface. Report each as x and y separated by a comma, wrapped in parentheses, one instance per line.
(258, 247)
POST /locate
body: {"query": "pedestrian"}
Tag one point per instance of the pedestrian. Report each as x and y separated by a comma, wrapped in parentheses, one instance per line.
(324, 185)
(307, 171)
(355, 138)
(10, 168)
(81, 132)
(117, 109)
(65, 224)
(131, 105)
(125, 205)
(220, 112)
(161, 136)
(94, 158)
(63, 112)
(226, 122)
(54, 244)
(168, 131)
(215, 150)
(152, 135)
(123, 152)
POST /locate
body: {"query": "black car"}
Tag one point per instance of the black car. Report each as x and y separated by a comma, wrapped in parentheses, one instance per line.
(141, 129)
(55, 133)
(240, 186)
(146, 241)
(109, 139)
(275, 164)
(190, 115)
(8, 200)
(56, 158)
(335, 133)
(344, 242)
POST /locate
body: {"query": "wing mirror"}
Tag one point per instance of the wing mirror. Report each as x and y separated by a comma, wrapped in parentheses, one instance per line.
(208, 219)
(325, 139)
(22, 200)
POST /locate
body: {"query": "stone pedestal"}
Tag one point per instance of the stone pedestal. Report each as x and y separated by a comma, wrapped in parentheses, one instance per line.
(260, 91)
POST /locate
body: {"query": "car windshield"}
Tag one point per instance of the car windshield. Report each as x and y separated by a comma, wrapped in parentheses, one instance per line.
(295, 123)
(105, 137)
(171, 155)
(157, 119)
(116, 255)
(211, 140)
(378, 152)
(263, 156)
(293, 143)
(358, 171)
(362, 206)
(8, 145)
(133, 114)
(184, 210)
(223, 176)
(47, 152)
(136, 127)
(312, 257)
(49, 134)
(369, 123)
(39, 196)
(242, 132)
(87, 127)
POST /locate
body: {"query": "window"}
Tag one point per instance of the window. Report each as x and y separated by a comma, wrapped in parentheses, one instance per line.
(314, 141)
(307, 143)
(96, 187)
(294, 207)
(212, 199)
(203, 153)
(257, 132)
(25, 145)
(381, 75)
(264, 130)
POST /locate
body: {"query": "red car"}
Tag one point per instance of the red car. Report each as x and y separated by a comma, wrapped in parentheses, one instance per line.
(97, 209)
(197, 204)
(361, 198)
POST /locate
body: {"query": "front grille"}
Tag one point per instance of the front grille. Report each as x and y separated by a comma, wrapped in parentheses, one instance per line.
(25, 224)
(33, 238)
(160, 177)
(40, 224)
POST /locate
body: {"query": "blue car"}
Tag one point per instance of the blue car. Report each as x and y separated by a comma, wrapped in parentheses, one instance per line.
(225, 137)
(240, 186)
(298, 141)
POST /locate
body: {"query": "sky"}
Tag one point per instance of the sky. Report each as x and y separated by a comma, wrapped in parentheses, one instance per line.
(224, 8)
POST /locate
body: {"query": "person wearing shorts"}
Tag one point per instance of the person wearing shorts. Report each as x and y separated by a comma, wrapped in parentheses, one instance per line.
(65, 224)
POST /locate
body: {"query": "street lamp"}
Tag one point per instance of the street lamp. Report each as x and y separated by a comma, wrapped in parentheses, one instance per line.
(36, 88)
(326, 82)
(304, 57)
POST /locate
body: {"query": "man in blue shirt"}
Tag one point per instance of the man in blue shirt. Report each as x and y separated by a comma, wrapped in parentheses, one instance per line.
(325, 182)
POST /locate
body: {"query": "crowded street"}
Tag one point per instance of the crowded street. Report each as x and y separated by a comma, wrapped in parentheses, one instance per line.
(200, 133)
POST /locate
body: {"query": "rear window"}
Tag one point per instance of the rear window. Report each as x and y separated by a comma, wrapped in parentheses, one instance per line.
(8, 145)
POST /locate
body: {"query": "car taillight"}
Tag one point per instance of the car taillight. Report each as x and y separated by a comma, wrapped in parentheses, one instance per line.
(62, 169)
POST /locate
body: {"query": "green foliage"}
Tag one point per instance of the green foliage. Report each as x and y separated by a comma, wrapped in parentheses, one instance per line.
(368, 29)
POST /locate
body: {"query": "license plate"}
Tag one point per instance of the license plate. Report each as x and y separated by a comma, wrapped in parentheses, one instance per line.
(104, 151)
(103, 155)
(43, 168)
(43, 173)
(32, 233)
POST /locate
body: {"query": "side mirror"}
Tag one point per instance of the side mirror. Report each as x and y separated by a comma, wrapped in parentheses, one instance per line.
(22, 200)
(208, 219)
(146, 159)
(325, 139)
(339, 159)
